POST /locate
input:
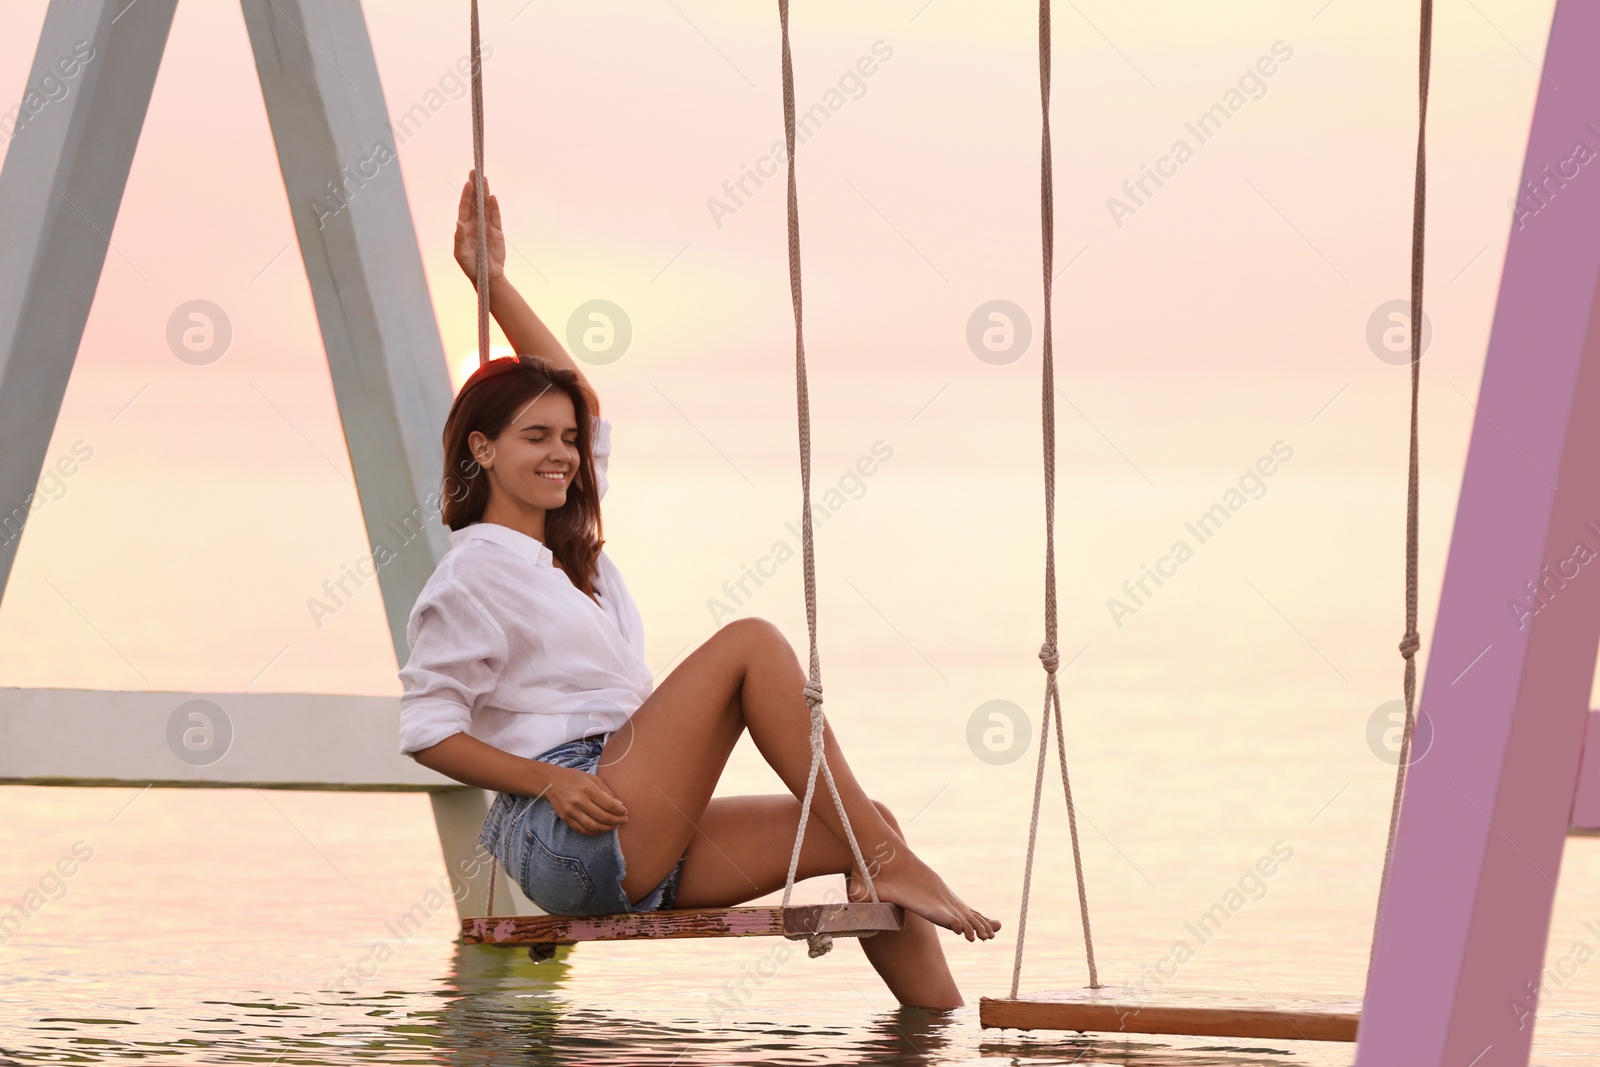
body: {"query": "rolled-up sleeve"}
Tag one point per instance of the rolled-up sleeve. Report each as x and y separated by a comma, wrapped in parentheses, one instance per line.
(457, 652)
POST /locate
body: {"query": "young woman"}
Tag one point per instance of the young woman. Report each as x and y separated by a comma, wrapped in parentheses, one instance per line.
(527, 676)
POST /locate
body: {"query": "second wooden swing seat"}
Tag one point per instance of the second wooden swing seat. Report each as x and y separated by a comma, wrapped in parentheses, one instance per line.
(1106, 1009)
(817, 924)
(1114, 1009)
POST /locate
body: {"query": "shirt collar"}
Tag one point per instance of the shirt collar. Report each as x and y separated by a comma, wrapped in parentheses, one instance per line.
(530, 548)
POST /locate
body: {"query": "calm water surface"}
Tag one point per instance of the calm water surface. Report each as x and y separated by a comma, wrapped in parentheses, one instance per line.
(220, 926)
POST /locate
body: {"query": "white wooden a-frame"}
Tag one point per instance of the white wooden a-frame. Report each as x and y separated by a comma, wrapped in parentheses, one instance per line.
(60, 190)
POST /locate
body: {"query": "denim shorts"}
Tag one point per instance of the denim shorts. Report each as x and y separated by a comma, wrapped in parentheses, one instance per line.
(561, 870)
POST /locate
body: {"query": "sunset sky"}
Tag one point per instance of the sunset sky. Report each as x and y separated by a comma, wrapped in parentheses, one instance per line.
(1219, 313)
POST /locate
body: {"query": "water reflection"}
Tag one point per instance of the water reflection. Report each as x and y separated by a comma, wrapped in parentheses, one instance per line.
(1040, 1050)
(497, 1006)
(499, 990)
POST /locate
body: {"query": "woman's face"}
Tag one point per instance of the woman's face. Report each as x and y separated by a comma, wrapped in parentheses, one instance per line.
(535, 458)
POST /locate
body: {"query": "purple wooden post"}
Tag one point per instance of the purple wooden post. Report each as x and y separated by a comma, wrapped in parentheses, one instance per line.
(1586, 804)
(1467, 912)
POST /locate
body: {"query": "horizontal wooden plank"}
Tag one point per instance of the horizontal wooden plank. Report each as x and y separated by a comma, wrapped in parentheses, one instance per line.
(844, 918)
(1187, 1012)
(86, 737)
(840, 920)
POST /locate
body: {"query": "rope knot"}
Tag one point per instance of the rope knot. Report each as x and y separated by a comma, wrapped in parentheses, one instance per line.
(813, 694)
(819, 945)
(1409, 644)
(1047, 655)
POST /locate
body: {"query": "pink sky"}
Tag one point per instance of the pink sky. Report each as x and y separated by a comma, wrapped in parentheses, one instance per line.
(1220, 317)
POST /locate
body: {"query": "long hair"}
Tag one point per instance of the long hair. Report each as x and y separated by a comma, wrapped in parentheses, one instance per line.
(487, 402)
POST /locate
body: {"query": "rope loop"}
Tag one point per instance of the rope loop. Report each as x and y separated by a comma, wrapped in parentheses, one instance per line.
(1409, 644)
(1047, 655)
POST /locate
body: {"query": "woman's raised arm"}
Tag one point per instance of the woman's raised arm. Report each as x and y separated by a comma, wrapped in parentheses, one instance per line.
(522, 326)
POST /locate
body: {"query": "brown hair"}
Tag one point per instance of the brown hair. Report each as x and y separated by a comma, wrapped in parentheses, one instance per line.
(487, 402)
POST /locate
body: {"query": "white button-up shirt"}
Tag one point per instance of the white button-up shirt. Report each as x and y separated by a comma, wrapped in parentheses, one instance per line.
(505, 648)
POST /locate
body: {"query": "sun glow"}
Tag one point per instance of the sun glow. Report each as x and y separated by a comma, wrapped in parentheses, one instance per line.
(467, 362)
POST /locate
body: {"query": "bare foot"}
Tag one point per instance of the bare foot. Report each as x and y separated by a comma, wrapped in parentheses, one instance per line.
(907, 881)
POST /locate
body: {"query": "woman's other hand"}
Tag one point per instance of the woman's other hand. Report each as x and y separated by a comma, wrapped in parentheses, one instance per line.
(584, 801)
(467, 233)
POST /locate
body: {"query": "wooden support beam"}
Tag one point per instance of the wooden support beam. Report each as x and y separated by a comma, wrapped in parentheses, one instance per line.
(85, 737)
(272, 740)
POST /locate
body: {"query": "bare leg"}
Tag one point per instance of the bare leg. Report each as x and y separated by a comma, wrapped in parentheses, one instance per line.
(741, 852)
(910, 960)
(665, 762)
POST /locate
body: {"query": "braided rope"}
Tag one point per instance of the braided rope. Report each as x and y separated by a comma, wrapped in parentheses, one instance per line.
(478, 183)
(1047, 652)
(820, 942)
(482, 281)
(1411, 641)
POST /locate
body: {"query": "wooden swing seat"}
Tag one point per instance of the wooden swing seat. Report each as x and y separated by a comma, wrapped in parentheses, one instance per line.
(838, 920)
(1124, 1010)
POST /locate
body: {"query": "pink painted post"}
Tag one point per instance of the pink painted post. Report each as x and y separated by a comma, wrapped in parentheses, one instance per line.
(1466, 914)
(1586, 804)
